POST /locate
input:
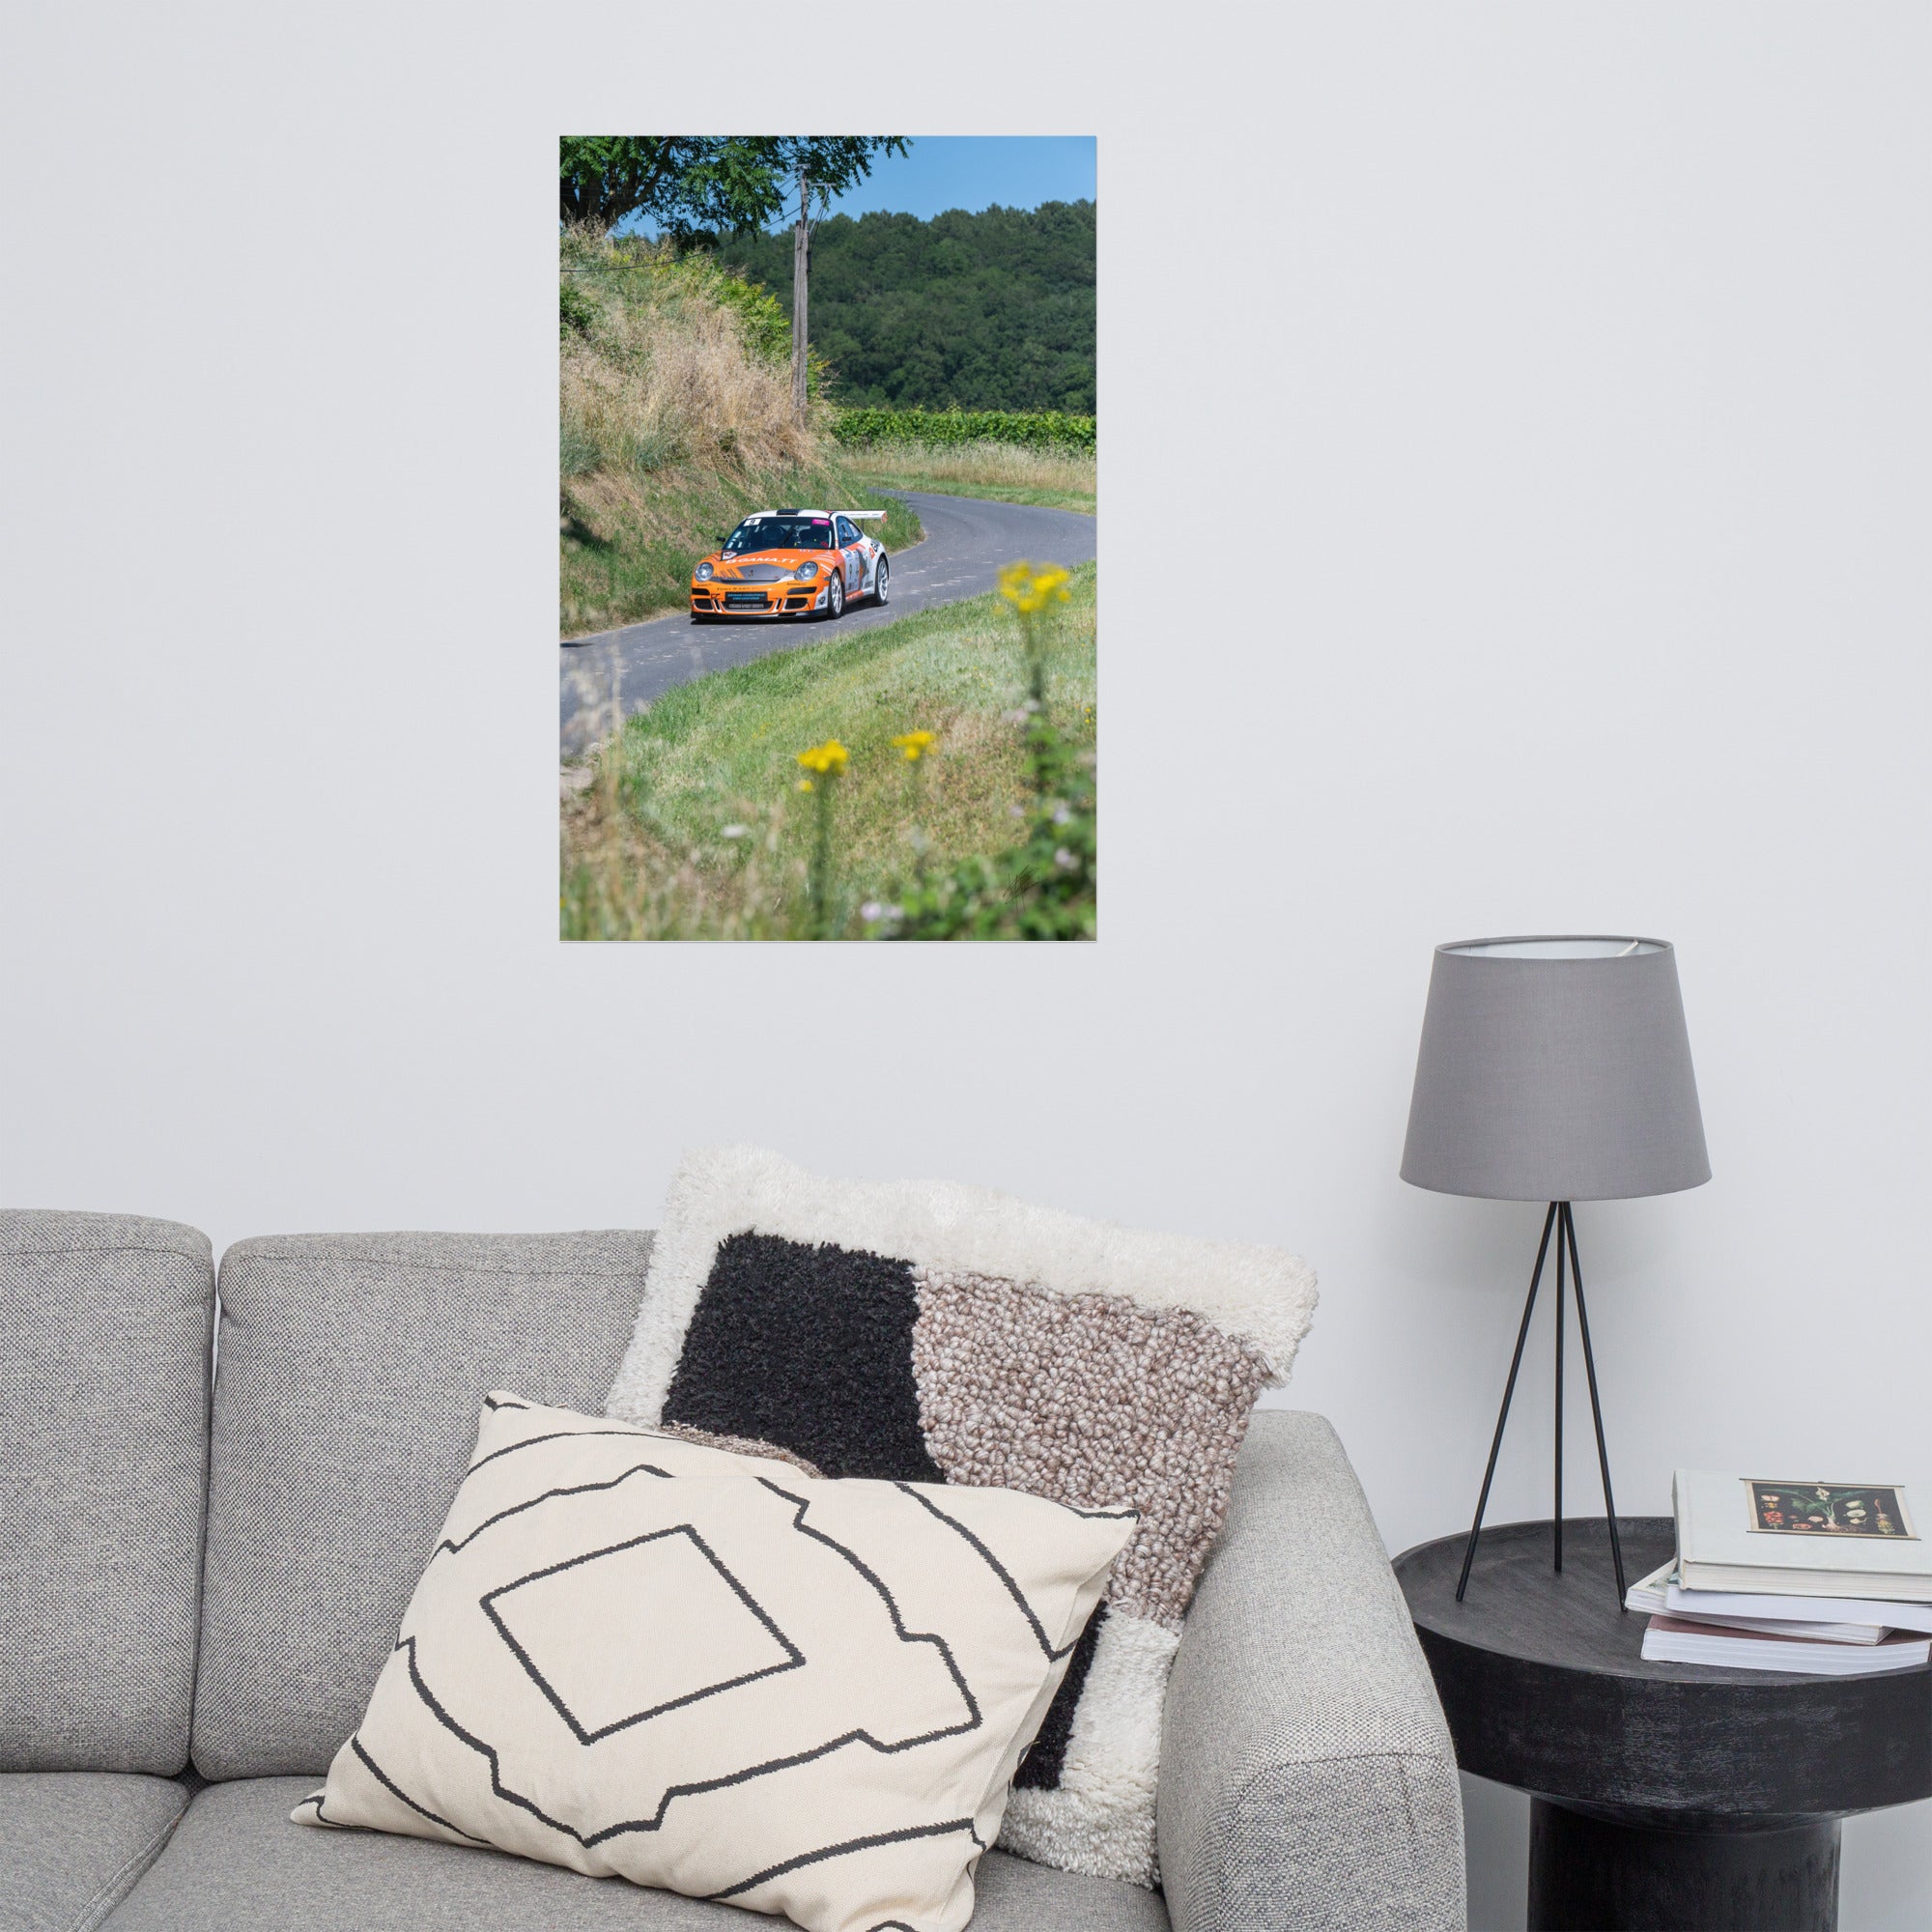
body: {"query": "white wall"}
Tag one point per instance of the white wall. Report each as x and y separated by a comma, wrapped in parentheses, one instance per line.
(1517, 482)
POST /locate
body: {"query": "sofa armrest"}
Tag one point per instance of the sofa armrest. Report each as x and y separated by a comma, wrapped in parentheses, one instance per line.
(1307, 1779)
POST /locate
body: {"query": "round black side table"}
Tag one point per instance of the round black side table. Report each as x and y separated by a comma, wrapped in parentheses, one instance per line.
(1668, 1797)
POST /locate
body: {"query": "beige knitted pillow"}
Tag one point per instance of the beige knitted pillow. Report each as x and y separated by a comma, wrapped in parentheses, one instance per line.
(635, 1655)
(936, 1333)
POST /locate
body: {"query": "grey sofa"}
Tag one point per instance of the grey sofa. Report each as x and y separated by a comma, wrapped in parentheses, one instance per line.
(201, 1572)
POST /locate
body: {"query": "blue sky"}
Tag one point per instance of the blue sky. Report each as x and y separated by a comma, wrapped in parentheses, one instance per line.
(971, 171)
(974, 171)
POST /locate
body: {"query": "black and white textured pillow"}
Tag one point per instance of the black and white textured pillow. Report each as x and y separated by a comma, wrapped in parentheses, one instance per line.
(641, 1657)
(929, 1332)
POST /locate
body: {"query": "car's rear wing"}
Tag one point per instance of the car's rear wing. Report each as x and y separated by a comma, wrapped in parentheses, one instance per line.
(863, 515)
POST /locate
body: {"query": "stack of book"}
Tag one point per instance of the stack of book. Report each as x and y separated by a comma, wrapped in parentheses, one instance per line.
(1828, 1578)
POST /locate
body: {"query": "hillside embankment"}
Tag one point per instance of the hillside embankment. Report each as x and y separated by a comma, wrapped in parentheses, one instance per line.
(674, 419)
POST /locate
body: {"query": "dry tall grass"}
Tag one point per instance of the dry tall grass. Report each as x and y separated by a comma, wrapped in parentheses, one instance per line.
(664, 374)
(1058, 478)
(624, 881)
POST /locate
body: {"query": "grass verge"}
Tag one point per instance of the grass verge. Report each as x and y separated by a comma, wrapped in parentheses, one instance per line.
(1056, 479)
(694, 827)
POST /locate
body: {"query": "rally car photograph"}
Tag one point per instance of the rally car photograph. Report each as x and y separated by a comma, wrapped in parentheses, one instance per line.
(791, 564)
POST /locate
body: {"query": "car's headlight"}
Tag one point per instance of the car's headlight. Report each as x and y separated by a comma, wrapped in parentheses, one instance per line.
(806, 571)
(703, 571)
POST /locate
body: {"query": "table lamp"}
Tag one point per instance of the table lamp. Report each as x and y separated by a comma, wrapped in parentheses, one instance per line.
(1554, 1069)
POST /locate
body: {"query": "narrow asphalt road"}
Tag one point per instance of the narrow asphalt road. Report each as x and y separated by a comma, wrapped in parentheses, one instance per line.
(967, 541)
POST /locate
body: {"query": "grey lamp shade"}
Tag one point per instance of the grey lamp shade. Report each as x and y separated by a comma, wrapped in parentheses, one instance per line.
(1555, 1069)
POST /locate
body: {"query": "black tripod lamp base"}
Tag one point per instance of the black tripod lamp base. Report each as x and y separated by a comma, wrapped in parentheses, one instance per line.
(1562, 1224)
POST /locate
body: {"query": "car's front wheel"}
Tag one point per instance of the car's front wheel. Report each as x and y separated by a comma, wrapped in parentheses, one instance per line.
(881, 580)
(835, 596)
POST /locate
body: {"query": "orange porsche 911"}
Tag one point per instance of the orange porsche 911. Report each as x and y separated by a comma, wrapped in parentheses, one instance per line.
(791, 564)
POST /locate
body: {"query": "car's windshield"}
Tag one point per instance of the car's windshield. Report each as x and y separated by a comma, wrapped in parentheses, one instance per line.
(779, 533)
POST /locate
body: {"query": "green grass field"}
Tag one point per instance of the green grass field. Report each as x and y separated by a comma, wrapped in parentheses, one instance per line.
(695, 827)
(1058, 479)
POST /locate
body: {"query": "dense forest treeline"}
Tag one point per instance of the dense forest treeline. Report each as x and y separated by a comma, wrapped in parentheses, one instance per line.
(991, 311)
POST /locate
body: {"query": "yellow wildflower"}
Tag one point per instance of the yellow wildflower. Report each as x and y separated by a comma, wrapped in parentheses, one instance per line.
(1027, 586)
(914, 744)
(826, 759)
(805, 784)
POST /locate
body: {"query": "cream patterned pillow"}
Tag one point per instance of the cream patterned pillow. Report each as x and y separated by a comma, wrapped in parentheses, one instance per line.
(636, 1654)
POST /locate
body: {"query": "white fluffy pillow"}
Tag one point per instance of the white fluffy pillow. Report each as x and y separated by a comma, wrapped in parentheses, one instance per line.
(929, 1332)
(634, 1655)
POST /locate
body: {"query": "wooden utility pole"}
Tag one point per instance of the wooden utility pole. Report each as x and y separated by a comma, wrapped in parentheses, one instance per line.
(801, 269)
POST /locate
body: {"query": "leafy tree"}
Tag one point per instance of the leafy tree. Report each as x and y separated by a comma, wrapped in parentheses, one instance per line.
(674, 180)
(988, 311)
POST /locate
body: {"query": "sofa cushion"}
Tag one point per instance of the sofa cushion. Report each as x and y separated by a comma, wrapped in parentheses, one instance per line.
(72, 1842)
(104, 1410)
(352, 1368)
(237, 1864)
(635, 1654)
(929, 1332)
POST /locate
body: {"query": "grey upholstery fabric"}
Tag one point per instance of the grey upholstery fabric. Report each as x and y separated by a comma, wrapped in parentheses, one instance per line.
(237, 1864)
(1307, 1779)
(72, 1842)
(351, 1370)
(104, 1411)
